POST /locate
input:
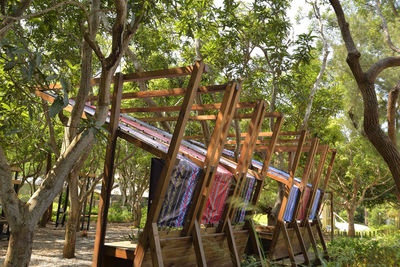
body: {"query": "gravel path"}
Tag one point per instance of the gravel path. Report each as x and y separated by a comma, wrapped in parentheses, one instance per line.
(48, 245)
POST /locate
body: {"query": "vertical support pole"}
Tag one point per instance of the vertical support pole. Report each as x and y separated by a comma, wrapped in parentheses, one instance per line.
(288, 243)
(170, 160)
(254, 241)
(198, 246)
(108, 178)
(155, 247)
(232, 245)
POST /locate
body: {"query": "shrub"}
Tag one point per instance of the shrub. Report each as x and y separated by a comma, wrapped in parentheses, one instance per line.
(377, 251)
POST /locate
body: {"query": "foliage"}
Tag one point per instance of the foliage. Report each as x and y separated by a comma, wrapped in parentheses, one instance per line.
(119, 213)
(377, 251)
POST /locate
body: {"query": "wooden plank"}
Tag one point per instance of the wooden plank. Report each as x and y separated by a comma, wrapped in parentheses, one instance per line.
(211, 89)
(283, 148)
(195, 107)
(155, 74)
(243, 163)
(170, 160)
(231, 97)
(155, 247)
(108, 177)
(305, 176)
(242, 135)
(288, 244)
(198, 246)
(316, 180)
(131, 139)
(232, 245)
(311, 237)
(317, 223)
(194, 118)
(254, 241)
(301, 241)
(268, 141)
(267, 160)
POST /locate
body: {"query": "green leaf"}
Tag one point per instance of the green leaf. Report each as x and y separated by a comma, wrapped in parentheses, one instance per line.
(65, 84)
(56, 107)
(9, 65)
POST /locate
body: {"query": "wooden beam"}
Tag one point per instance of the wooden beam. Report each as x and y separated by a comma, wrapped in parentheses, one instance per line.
(195, 107)
(254, 241)
(137, 142)
(156, 74)
(242, 135)
(268, 141)
(155, 247)
(283, 148)
(288, 243)
(211, 89)
(170, 160)
(232, 245)
(243, 163)
(214, 152)
(198, 246)
(108, 177)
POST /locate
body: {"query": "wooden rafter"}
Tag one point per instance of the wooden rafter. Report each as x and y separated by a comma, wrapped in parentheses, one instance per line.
(196, 107)
(173, 150)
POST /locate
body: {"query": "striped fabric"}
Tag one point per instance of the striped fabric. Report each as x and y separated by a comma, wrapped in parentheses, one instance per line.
(287, 217)
(306, 196)
(217, 198)
(179, 193)
(315, 205)
(245, 196)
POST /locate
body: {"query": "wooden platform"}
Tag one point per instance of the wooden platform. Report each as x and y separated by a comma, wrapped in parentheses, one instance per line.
(179, 251)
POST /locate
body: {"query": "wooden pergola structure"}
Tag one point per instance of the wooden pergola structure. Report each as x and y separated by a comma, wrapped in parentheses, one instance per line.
(192, 244)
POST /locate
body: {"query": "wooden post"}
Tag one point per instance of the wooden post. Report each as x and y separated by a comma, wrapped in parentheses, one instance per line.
(170, 160)
(232, 245)
(198, 246)
(108, 177)
(155, 246)
(254, 241)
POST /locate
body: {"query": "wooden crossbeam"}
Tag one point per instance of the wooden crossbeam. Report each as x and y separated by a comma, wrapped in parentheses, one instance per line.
(268, 141)
(194, 107)
(108, 177)
(166, 172)
(204, 117)
(242, 135)
(211, 89)
(137, 142)
(254, 241)
(156, 74)
(283, 148)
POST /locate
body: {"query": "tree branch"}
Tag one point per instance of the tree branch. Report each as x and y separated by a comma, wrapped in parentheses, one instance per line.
(385, 28)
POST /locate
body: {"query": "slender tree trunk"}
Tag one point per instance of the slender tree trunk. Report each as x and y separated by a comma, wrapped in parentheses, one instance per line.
(19, 247)
(350, 216)
(137, 213)
(47, 214)
(72, 224)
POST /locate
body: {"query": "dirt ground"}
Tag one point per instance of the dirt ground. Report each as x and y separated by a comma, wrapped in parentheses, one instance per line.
(48, 245)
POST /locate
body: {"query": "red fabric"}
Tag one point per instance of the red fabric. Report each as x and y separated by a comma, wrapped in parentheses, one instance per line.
(302, 211)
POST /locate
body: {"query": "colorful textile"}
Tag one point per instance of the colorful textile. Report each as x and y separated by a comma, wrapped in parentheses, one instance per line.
(217, 198)
(306, 197)
(180, 190)
(287, 217)
(245, 196)
(315, 205)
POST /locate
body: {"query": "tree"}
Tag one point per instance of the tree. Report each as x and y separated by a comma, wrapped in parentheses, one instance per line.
(358, 177)
(24, 216)
(366, 84)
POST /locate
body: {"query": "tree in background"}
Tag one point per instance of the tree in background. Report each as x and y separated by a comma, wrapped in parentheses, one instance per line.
(359, 177)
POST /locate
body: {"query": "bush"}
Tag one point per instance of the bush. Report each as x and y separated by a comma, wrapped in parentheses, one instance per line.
(119, 213)
(377, 251)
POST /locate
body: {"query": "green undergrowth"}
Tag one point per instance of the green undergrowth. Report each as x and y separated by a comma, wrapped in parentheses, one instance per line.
(381, 250)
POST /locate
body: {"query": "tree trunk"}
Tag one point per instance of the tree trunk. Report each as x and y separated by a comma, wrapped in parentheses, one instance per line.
(73, 220)
(137, 215)
(351, 229)
(19, 247)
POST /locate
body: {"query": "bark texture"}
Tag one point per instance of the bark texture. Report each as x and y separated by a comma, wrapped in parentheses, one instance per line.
(366, 84)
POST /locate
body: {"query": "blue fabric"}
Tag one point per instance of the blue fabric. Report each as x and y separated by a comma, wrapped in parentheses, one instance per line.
(287, 217)
(315, 205)
(245, 196)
